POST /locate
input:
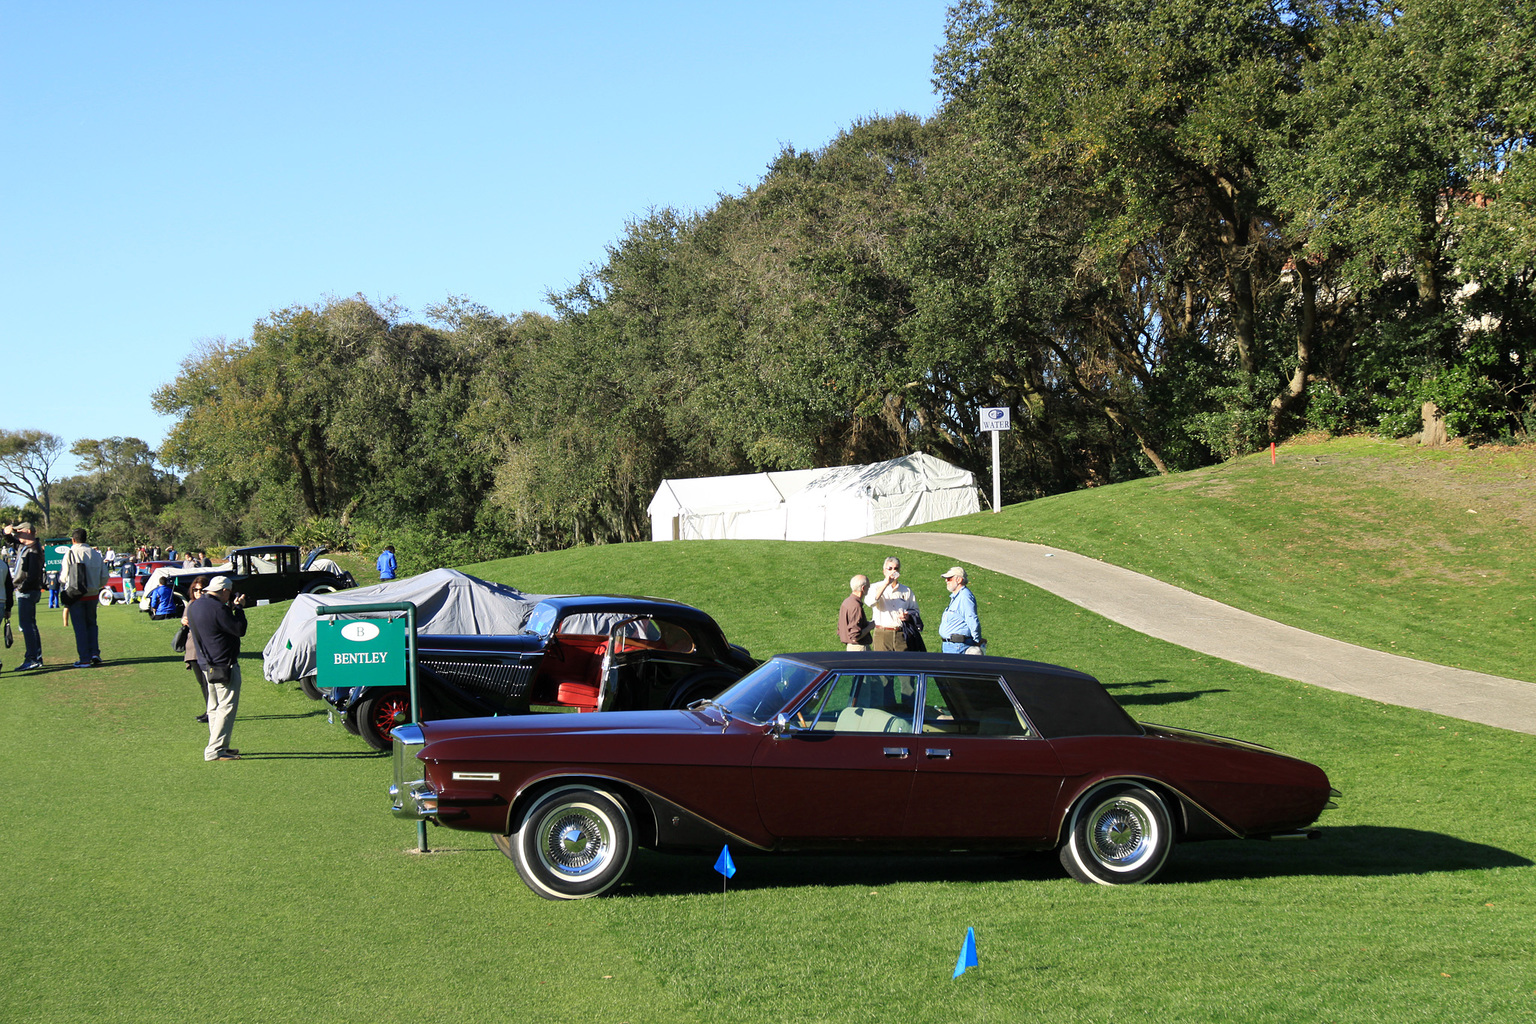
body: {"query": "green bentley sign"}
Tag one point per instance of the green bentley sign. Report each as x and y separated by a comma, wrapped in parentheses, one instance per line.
(360, 652)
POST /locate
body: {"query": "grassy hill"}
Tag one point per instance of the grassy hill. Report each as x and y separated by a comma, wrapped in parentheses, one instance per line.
(1421, 552)
(145, 885)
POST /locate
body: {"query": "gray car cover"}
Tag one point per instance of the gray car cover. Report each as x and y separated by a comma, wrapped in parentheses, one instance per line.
(447, 602)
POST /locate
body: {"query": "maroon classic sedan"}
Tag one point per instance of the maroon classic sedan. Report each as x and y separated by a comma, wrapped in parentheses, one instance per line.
(870, 751)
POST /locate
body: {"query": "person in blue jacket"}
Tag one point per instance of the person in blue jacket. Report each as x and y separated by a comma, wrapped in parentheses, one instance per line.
(162, 601)
(387, 563)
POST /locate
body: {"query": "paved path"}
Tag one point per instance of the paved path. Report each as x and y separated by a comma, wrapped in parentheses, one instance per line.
(1200, 624)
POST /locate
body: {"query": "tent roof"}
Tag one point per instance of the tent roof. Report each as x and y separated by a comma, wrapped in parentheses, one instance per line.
(915, 472)
(747, 490)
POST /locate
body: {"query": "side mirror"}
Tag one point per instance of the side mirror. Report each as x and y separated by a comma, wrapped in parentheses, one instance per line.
(780, 724)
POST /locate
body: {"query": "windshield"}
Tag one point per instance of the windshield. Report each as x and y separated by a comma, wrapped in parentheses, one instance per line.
(542, 621)
(767, 690)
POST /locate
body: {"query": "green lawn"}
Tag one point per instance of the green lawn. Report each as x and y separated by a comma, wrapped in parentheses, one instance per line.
(144, 884)
(1422, 552)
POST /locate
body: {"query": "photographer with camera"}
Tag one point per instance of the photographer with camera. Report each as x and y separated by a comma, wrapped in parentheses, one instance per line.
(216, 622)
(29, 588)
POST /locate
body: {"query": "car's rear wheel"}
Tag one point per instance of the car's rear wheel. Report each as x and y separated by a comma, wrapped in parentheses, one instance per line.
(376, 717)
(320, 588)
(1118, 835)
(308, 688)
(574, 842)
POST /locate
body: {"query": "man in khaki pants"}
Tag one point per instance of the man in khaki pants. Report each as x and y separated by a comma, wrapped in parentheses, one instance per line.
(891, 602)
(217, 622)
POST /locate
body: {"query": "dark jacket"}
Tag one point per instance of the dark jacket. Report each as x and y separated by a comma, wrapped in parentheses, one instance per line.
(217, 629)
(30, 579)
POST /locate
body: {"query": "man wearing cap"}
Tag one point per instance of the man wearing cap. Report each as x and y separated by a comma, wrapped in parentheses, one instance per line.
(217, 622)
(29, 587)
(852, 626)
(960, 628)
(890, 602)
(85, 569)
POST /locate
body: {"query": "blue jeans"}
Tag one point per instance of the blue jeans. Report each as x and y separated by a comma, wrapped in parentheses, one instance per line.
(26, 618)
(82, 616)
(953, 648)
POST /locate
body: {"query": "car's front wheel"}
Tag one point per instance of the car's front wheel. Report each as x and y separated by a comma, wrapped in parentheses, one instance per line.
(106, 597)
(574, 842)
(376, 716)
(309, 689)
(1118, 835)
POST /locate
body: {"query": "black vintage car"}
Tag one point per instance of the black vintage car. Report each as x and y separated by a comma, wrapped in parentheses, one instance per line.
(269, 572)
(575, 653)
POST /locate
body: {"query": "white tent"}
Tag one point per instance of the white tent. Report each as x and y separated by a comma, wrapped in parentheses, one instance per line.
(746, 507)
(813, 504)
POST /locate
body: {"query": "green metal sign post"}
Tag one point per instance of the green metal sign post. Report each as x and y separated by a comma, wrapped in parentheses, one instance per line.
(369, 652)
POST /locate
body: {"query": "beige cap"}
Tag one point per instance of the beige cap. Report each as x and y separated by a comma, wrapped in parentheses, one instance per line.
(954, 571)
(216, 584)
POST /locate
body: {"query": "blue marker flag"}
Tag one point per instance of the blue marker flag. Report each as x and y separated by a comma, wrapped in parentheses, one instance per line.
(967, 956)
(727, 867)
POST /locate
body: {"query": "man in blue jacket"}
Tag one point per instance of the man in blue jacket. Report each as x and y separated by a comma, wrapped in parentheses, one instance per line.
(386, 563)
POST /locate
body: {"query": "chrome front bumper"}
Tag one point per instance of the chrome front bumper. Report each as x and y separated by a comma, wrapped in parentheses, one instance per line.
(409, 795)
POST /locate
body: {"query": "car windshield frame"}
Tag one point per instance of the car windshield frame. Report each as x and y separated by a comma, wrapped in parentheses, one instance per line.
(768, 690)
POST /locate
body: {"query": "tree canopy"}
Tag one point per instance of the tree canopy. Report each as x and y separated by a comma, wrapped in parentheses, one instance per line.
(1162, 231)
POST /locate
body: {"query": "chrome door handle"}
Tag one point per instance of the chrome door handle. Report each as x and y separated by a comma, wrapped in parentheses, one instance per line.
(940, 752)
(895, 751)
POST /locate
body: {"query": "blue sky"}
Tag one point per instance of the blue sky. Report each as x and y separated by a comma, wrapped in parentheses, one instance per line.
(175, 171)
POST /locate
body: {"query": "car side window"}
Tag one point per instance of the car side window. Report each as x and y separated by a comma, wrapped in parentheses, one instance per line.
(971, 706)
(861, 703)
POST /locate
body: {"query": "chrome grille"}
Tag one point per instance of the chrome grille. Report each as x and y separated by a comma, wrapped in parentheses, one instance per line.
(502, 680)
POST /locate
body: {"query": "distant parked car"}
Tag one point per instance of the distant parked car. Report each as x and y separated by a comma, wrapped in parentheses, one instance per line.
(113, 591)
(592, 653)
(864, 751)
(269, 572)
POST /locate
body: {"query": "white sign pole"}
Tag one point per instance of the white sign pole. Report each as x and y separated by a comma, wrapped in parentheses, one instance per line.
(997, 475)
(996, 420)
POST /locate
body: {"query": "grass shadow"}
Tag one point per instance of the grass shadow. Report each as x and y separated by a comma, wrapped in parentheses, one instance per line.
(312, 755)
(279, 718)
(670, 874)
(1155, 699)
(1347, 851)
(1358, 851)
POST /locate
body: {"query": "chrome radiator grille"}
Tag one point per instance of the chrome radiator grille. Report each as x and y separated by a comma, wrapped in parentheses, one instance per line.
(502, 680)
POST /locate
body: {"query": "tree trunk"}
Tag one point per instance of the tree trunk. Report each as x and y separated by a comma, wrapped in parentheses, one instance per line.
(1298, 384)
(1434, 426)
